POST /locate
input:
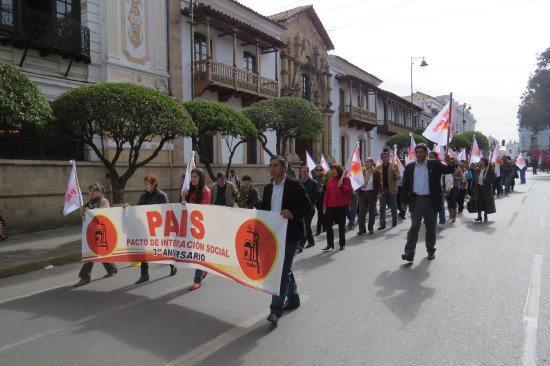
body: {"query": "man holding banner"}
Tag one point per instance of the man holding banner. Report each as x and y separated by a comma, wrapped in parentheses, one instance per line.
(289, 197)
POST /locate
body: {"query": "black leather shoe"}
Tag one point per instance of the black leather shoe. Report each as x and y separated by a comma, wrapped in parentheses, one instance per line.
(289, 307)
(142, 279)
(407, 258)
(431, 256)
(342, 247)
(310, 245)
(361, 232)
(371, 232)
(300, 249)
(394, 224)
(273, 318)
(173, 270)
(381, 227)
(328, 249)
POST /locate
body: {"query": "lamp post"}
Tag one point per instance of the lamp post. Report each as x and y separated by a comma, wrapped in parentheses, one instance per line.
(422, 64)
(464, 117)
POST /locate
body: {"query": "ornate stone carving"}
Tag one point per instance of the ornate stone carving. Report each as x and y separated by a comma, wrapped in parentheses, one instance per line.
(136, 21)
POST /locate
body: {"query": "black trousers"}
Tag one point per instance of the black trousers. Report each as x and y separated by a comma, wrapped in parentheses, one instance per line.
(337, 214)
(421, 209)
(309, 235)
(367, 203)
(320, 216)
(461, 198)
(145, 268)
(86, 270)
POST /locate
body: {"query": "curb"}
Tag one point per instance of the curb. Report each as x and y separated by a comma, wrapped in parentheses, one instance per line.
(36, 265)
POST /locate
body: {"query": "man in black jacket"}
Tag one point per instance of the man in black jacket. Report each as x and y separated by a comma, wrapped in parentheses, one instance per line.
(287, 196)
(422, 191)
(313, 193)
(152, 196)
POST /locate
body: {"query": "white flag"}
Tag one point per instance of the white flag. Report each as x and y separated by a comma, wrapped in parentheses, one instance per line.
(412, 154)
(462, 155)
(354, 169)
(520, 161)
(475, 156)
(310, 164)
(324, 164)
(190, 167)
(438, 129)
(73, 196)
(495, 158)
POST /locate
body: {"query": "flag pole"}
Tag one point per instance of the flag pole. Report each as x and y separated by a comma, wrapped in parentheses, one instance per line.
(449, 122)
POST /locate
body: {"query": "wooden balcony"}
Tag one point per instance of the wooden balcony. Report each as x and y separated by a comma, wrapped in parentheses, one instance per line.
(392, 128)
(353, 116)
(231, 81)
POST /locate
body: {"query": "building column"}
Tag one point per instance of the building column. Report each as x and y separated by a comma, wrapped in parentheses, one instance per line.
(208, 50)
(234, 49)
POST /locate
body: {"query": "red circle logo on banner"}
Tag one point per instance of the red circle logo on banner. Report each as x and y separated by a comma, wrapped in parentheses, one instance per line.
(101, 235)
(257, 249)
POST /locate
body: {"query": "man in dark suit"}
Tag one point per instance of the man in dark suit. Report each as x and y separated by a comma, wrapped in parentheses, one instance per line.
(422, 191)
(289, 197)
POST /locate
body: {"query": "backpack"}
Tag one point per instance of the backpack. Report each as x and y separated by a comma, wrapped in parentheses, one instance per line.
(469, 175)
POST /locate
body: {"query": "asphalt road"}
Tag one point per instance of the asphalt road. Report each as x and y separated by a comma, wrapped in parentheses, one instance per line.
(484, 300)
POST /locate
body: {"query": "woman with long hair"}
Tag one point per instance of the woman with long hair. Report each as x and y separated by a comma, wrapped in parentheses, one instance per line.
(335, 205)
(197, 193)
(482, 189)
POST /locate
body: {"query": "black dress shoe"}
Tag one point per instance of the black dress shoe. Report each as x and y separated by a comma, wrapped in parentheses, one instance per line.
(431, 256)
(371, 232)
(328, 248)
(407, 258)
(142, 279)
(173, 270)
(381, 227)
(292, 306)
(310, 245)
(361, 232)
(394, 224)
(478, 219)
(273, 318)
(342, 247)
(300, 249)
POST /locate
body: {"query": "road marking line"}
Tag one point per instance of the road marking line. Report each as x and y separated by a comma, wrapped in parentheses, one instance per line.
(530, 314)
(205, 350)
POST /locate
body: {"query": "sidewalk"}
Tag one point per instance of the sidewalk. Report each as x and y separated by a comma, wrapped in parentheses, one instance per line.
(32, 251)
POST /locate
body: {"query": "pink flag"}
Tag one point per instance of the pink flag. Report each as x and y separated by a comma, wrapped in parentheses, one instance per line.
(190, 167)
(476, 155)
(378, 162)
(73, 196)
(324, 164)
(438, 128)
(310, 164)
(412, 154)
(520, 161)
(437, 150)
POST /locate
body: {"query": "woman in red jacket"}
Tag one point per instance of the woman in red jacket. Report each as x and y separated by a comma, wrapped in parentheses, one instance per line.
(335, 204)
(197, 193)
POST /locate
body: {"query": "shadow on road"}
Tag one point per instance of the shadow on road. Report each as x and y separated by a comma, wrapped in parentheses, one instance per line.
(402, 289)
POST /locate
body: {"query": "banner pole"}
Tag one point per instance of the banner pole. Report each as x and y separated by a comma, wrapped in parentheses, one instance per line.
(449, 124)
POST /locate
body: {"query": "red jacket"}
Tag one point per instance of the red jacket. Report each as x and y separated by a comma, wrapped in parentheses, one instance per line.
(337, 197)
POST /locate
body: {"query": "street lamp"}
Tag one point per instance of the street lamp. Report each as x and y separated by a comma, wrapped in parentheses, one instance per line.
(422, 64)
(464, 117)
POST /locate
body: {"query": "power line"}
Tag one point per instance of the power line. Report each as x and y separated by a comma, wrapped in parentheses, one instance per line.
(372, 15)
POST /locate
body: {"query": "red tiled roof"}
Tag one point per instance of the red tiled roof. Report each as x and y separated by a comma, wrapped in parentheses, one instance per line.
(308, 9)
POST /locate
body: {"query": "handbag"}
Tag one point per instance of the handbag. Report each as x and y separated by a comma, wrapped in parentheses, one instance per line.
(471, 205)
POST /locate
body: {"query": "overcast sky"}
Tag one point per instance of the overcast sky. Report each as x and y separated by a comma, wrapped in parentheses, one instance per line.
(482, 51)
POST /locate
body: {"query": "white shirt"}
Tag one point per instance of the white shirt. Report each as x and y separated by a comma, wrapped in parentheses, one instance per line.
(370, 184)
(480, 177)
(277, 196)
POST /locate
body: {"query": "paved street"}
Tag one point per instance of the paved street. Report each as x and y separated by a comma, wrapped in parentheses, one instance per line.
(484, 300)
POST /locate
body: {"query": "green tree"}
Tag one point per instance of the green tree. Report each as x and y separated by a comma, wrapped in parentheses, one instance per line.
(465, 140)
(127, 114)
(403, 141)
(212, 118)
(419, 130)
(534, 109)
(21, 103)
(288, 117)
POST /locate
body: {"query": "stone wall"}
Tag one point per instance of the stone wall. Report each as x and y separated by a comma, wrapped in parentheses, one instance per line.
(33, 191)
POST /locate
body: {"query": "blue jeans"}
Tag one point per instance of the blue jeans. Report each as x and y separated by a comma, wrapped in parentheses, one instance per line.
(507, 183)
(288, 283)
(352, 211)
(522, 176)
(387, 199)
(198, 276)
(442, 212)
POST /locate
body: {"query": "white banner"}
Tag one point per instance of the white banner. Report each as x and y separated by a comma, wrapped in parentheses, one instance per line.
(73, 196)
(247, 246)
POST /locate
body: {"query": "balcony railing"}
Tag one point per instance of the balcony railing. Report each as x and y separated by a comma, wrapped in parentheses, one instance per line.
(215, 75)
(353, 116)
(43, 31)
(392, 128)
